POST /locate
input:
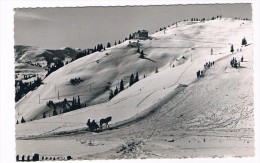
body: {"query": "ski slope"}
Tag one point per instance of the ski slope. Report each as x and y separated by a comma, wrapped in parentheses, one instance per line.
(193, 40)
(211, 117)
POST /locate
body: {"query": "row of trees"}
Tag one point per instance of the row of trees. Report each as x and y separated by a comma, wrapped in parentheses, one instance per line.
(100, 47)
(25, 87)
(242, 18)
(76, 81)
(192, 19)
(75, 104)
(116, 91)
(82, 53)
(133, 79)
(203, 19)
(58, 64)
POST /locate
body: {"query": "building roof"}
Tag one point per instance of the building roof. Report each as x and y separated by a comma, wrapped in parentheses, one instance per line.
(139, 31)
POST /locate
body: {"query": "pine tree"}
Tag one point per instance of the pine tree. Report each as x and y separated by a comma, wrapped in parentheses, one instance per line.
(73, 103)
(78, 102)
(131, 82)
(17, 122)
(44, 115)
(23, 120)
(116, 92)
(111, 95)
(115, 43)
(232, 48)
(244, 42)
(121, 85)
(136, 77)
(119, 42)
(108, 45)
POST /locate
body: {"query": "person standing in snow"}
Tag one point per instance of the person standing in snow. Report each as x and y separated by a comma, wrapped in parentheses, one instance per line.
(94, 124)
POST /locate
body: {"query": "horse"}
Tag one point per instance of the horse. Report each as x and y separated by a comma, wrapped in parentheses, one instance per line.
(105, 121)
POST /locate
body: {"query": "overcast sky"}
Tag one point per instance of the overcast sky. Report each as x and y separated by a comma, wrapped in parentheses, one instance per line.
(85, 27)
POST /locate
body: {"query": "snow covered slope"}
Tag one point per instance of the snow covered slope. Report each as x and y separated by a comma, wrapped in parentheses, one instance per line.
(193, 40)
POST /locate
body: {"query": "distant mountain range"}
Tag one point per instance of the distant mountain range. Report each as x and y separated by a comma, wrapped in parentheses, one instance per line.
(43, 56)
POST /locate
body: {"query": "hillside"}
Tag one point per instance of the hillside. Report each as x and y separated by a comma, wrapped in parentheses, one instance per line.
(167, 114)
(105, 69)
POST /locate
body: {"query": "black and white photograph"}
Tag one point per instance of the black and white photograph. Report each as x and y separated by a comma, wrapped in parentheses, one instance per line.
(169, 81)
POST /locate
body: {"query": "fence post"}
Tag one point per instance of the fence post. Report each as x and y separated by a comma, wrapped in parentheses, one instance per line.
(28, 158)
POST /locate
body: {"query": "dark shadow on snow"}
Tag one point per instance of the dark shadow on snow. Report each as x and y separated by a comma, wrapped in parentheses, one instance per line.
(148, 59)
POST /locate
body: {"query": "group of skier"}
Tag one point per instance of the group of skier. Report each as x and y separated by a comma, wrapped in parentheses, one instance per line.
(207, 65)
(235, 63)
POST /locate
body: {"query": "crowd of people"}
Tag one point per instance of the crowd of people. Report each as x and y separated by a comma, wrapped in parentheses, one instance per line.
(235, 63)
(207, 65)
